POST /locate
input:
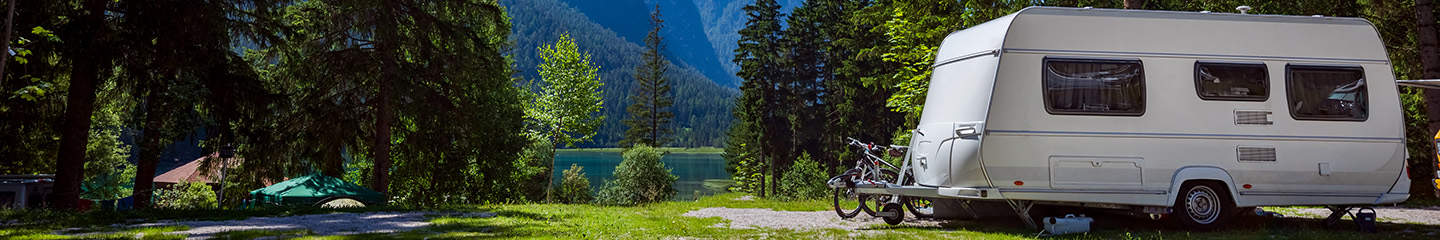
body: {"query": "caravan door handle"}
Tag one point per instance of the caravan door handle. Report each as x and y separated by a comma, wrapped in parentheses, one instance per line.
(966, 131)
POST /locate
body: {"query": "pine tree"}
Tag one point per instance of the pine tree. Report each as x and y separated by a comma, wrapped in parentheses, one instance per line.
(852, 102)
(650, 116)
(758, 54)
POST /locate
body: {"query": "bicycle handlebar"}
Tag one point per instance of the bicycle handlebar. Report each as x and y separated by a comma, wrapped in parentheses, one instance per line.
(892, 150)
(865, 145)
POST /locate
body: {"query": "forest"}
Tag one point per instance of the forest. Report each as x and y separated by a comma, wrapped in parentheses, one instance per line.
(427, 102)
(440, 102)
(831, 69)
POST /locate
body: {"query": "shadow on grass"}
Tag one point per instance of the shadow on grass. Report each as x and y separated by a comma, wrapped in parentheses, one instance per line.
(531, 215)
(1117, 226)
(254, 234)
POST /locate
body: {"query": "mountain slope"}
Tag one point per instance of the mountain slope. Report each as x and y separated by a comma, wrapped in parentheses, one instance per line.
(722, 20)
(685, 36)
(702, 107)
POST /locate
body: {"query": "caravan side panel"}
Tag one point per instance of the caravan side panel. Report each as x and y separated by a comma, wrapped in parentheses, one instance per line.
(1030, 153)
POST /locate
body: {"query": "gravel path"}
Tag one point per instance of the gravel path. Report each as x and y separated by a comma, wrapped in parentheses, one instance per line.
(1427, 216)
(744, 218)
(319, 224)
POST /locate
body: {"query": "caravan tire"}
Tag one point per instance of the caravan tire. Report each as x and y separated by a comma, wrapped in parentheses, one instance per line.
(1202, 206)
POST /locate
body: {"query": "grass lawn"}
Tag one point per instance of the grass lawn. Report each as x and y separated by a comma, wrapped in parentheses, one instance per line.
(664, 149)
(664, 221)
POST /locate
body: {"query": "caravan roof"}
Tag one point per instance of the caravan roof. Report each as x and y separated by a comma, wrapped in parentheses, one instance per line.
(1092, 31)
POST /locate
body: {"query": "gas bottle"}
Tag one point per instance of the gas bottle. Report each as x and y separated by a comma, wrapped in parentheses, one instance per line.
(1068, 224)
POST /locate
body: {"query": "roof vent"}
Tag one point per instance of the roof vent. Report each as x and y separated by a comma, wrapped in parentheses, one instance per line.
(1243, 9)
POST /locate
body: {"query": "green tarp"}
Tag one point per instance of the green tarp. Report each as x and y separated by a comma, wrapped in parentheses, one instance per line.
(312, 190)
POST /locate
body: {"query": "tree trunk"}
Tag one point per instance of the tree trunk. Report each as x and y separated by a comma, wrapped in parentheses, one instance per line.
(80, 103)
(554, 147)
(1134, 4)
(150, 147)
(764, 175)
(5, 39)
(1430, 69)
(550, 174)
(334, 165)
(380, 144)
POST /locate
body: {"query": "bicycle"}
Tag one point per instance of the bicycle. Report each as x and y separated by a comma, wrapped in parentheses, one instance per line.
(871, 170)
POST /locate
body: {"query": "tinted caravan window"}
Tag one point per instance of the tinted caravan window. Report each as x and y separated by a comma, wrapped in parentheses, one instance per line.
(1094, 87)
(1327, 93)
(1232, 81)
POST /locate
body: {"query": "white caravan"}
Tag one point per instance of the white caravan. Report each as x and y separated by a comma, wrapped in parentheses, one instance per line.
(1194, 114)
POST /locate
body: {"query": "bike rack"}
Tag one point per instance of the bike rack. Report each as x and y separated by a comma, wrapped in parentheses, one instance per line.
(873, 187)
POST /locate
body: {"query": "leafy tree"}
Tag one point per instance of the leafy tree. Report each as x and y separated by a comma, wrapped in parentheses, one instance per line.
(32, 99)
(915, 29)
(649, 117)
(186, 195)
(565, 108)
(108, 175)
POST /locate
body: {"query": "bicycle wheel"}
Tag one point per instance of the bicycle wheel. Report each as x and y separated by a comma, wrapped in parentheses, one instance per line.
(873, 202)
(918, 206)
(847, 202)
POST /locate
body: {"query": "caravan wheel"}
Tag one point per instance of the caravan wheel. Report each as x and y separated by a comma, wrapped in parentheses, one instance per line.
(1202, 206)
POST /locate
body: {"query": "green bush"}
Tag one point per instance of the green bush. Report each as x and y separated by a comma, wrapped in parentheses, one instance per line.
(641, 178)
(749, 172)
(804, 181)
(574, 187)
(186, 195)
(532, 170)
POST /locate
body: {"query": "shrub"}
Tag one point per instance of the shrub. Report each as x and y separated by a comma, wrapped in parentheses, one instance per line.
(749, 172)
(641, 178)
(186, 195)
(574, 187)
(532, 170)
(805, 180)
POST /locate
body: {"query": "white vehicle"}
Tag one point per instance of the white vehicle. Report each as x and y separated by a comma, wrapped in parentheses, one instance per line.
(1192, 114)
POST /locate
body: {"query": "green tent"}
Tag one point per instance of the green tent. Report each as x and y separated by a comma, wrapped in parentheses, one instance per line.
(314, 189)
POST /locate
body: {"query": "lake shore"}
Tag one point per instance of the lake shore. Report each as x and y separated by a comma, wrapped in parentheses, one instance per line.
(709, 150)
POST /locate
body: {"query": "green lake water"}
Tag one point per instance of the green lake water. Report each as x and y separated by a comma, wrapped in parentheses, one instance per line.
(692, 168)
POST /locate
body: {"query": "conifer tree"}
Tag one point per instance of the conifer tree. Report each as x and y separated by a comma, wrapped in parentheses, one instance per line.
(761, 129)
(650, 115)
